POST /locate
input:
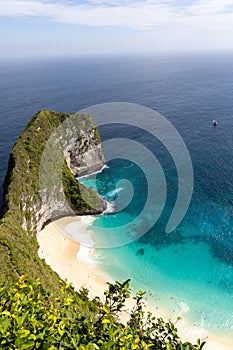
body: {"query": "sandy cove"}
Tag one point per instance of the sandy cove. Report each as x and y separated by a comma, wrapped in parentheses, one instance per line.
(61, 253)
(73, 264)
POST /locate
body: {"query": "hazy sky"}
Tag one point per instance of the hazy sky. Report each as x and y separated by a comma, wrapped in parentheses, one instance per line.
(80, 27)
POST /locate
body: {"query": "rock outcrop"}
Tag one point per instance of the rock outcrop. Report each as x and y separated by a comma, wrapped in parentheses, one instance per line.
(40, 185)
(84, 154)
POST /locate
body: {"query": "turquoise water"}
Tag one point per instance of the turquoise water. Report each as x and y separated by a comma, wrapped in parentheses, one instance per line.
(185, 273)
(173, 280)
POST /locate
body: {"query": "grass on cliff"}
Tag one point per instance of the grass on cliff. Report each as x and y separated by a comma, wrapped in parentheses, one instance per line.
(78, 196)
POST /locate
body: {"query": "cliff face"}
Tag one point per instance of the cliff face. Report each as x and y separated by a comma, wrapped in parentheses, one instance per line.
(84, 155)
(40, 184)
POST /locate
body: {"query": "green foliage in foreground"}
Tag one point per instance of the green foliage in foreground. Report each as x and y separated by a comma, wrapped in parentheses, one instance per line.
(34, 319)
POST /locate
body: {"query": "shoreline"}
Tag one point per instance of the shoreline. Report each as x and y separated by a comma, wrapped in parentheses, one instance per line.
(75, 264)
(65, 257)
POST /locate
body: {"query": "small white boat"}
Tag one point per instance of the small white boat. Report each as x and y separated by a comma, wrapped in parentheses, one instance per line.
(215, 123)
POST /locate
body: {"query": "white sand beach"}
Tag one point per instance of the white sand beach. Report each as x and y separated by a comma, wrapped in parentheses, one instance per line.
(71, 262)
(74, 264)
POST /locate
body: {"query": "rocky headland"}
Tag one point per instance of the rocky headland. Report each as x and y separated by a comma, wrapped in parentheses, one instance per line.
(41, 186)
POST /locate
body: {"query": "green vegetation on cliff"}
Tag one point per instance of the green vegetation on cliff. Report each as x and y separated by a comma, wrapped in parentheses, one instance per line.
(22, 178)
(75, 192)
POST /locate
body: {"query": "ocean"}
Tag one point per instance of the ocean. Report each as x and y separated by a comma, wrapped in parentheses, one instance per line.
(189, 271)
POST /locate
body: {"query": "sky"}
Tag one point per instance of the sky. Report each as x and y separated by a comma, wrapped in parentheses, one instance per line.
(43, 28)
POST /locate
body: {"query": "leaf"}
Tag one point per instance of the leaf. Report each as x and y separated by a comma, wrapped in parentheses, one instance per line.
(22, 319)
(27, 345)
(106, 309)
(68, 301)
(24, 333)
(106, 320)
(61, 331)
(202, 345)
(7, 313)
(4, 324)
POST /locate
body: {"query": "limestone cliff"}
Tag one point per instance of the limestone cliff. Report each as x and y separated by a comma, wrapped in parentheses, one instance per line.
(84, 154)
(40, 184)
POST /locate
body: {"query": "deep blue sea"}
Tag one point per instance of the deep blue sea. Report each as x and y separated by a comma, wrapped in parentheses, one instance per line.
(189, 271)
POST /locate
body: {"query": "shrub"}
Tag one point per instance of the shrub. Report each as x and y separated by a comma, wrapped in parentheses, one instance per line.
(32, 318)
